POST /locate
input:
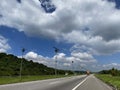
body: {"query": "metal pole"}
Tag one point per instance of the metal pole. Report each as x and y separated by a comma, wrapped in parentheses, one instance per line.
(23, 50)
(56, 65)
(56, 52)
(72, 67)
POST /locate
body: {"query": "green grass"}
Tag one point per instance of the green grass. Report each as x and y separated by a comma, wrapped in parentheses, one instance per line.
(111, 80)
(9, 80)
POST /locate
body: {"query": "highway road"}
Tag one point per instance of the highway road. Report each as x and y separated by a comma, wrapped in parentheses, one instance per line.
(70, 83)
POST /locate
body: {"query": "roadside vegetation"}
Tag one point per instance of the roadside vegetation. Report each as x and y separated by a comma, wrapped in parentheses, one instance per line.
(111, 77)
(10, 66)
(9, 79)
(31, 71)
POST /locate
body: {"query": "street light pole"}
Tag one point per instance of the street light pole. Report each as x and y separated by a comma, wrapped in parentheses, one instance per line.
(56, 65)
(72, 67)
(56, 52)
(23, 50)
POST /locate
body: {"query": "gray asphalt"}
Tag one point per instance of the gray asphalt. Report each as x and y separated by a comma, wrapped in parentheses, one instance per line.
(92, 83)
(71, 83)
(51, 84)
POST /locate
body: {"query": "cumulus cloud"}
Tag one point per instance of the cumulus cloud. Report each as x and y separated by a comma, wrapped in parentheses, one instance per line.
(83, 57)
(67, 64)
(4, 46)
(111, 65)
(31, 55)
(97, 46)
(108, 66)
(37, 58)
(68, 22)
(63, 61)
(91, 25)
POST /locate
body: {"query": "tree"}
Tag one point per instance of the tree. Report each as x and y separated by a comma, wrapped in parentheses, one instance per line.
(114, 72)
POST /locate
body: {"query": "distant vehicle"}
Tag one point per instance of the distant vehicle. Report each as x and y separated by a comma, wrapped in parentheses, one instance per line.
(88, 72)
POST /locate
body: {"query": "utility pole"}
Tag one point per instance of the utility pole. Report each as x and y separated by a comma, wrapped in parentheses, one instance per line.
(56, 53)
(73, 67)
(23, 50)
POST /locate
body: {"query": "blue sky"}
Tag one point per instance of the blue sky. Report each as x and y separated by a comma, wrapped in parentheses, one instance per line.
(86, 32)
(18, 40)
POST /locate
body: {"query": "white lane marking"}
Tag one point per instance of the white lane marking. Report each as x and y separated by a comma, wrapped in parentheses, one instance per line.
(80, 83)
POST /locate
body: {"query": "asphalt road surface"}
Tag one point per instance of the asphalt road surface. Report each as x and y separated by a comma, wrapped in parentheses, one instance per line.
(70, 83)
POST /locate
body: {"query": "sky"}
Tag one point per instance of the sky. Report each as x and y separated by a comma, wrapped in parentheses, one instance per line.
(86, 32)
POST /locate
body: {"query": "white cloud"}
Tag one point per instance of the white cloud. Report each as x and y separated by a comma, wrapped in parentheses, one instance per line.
(111, 65)
(83, 57)
(67, 64)
(63, 61)
(4, 46)
(81, 61)
(91, 25)
(98, 67)
(59, 56)
(68, 22)
(37, 58)
(97, 46)
(31, 55)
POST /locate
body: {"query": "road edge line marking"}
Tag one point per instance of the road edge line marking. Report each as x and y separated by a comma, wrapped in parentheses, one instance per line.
(80, 83)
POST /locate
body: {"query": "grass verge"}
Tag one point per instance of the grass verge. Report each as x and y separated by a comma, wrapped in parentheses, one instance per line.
(9, 80)
(113, 81)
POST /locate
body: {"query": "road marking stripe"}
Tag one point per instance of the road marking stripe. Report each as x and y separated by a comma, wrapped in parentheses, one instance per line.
(80, 83)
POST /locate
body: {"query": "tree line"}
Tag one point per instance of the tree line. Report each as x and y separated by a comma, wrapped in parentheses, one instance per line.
(10, 66)
(113, 72)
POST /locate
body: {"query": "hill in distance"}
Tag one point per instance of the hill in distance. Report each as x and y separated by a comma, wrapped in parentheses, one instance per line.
(10, 66)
